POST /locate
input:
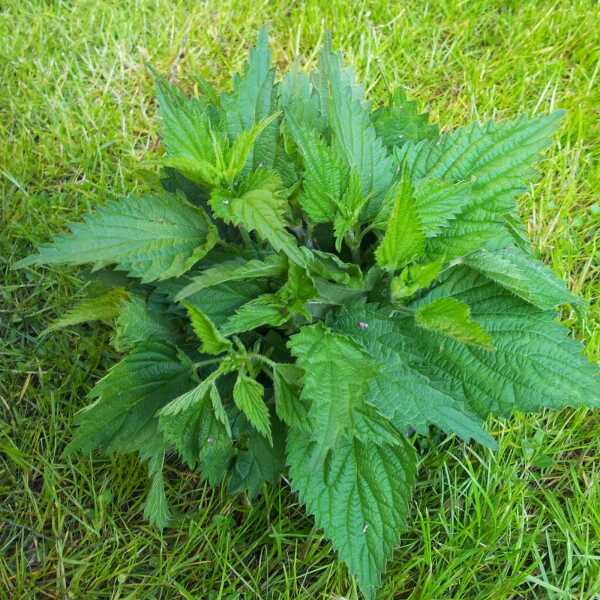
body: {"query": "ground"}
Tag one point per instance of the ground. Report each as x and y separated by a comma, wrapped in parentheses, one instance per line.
(78, 126)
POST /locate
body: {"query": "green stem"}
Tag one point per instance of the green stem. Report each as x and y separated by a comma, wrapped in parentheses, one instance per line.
(353, 239)
(310, 228)
(366, 230)
(205, 363)
(247, 355)
(261, 358)
(247, 239)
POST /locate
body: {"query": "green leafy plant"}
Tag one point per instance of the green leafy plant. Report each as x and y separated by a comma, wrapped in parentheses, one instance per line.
(314, 287)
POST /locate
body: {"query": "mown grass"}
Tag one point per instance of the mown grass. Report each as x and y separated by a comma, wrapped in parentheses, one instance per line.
(77, 126)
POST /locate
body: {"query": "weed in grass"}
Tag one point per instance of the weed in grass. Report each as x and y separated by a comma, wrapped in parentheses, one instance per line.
(77, 120)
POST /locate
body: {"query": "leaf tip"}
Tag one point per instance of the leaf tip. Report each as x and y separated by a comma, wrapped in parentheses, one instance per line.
(32, 259)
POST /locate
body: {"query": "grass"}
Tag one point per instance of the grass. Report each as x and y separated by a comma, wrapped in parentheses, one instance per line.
(77, 126)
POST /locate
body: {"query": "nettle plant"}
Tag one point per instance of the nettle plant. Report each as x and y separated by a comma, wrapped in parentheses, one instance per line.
(317, 285)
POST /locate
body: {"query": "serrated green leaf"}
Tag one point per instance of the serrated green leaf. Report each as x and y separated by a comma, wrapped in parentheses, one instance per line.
(239, 152)
(300, 100)
(523, 275)
(264, 310)
(404, 390)
(213, 342)
(248, 396)
(150, 237)
(437, 203)
(331, 191)
(287, 171)
(297, 292)
(156, 507)
(122, 419)
(404, 239)
(360, 497)
(104, 307)
(215, 459)
(535, 365)
(191, 143)
(452, 317)
(353, 131)
(139, 321)
(260, 210)
(191, 398)
(207, 90)
(218, 302)
(414, 278)
(518, 232)
(235, 270)
(198, 435)
(325, 174)
(334, 293)
(337, 372)
(401, 122)
(329, 266)
(497, 158)
(219, 409)
(260, 462)
(287, 387)
(252, 100)
(349, 208)
(299, 284)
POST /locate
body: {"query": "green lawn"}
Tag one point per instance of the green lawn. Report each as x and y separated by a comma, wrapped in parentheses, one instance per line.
(78, 126)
